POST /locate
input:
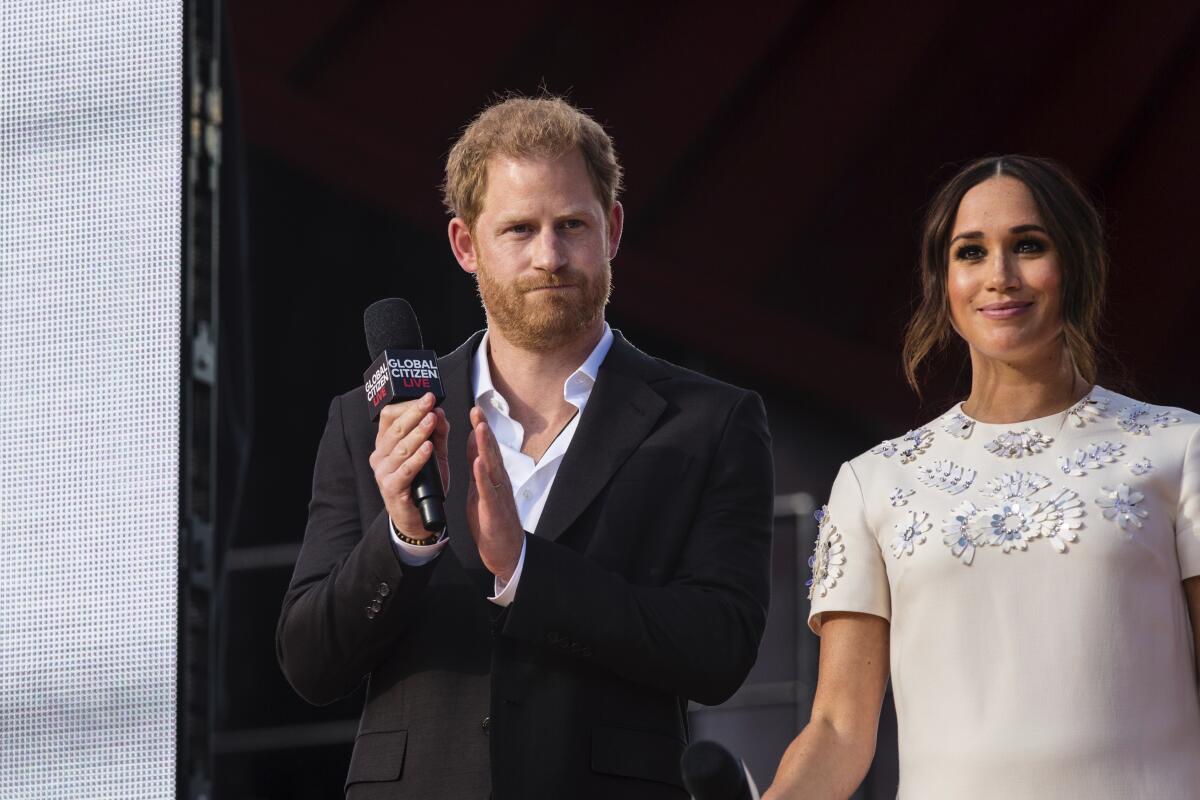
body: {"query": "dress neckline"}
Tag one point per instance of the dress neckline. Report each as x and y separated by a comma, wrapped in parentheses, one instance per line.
(1059, 416)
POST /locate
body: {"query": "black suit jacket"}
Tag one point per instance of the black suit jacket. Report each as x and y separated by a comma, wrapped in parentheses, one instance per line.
(645, 585)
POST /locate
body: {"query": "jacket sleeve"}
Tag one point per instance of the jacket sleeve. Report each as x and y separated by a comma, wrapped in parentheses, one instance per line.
(697, 635)
(345, 607)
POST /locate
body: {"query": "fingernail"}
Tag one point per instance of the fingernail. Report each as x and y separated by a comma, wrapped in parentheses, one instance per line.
(427, 422)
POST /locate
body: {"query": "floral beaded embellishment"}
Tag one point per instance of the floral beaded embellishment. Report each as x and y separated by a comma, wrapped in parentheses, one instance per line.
(959, 426)
(1140, 467)
(1017, 518)
(1015, 444)
(1014, 523)
(947, 476)
(910, 532)
(958, 534)
(899, 497)
(827, 558)
(909, 446)
(1133, 419)
(1016, 484)
(1120, 503)
(1089, 409)
(1094, 456)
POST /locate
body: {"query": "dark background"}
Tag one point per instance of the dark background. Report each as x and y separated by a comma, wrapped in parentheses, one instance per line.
(778, 157)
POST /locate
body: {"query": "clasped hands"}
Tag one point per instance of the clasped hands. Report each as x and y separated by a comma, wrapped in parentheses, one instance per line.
(412, 432)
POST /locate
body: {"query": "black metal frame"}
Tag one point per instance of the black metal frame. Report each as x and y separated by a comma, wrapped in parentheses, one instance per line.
(202, 120)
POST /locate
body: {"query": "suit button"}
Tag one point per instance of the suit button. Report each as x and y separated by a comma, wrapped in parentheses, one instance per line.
(384, 589)
(487, 723)
(370, 613)
(376, 605)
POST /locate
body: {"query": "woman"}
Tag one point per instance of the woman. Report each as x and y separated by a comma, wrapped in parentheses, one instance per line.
(1028, 560)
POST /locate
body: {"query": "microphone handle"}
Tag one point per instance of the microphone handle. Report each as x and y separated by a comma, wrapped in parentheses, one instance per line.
(429, 497)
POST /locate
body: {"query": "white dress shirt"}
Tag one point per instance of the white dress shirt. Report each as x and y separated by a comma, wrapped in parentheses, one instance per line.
(531, 481)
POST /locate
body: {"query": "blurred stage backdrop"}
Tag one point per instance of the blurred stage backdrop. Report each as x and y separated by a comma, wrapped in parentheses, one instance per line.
(778, 156)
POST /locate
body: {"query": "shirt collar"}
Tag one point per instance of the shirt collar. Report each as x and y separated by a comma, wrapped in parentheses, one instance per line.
(576, 389)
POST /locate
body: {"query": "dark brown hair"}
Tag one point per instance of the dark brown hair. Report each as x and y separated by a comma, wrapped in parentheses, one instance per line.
(1073, 224)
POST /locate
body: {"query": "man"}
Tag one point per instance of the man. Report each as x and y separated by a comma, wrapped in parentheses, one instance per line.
(609, 515)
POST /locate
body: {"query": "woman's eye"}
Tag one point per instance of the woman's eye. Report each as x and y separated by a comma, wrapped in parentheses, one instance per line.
(1030, 246)
(969, 252)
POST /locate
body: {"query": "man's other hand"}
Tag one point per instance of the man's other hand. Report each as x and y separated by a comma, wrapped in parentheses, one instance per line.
(491, 512)
(410, 433)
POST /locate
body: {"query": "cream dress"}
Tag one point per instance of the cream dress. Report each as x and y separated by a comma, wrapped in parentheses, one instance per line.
(1031, 572)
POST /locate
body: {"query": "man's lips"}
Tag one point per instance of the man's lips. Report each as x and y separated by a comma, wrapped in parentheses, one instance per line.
(1006, 310)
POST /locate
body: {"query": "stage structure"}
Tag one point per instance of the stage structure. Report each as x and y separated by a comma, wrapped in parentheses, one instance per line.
(109, 141)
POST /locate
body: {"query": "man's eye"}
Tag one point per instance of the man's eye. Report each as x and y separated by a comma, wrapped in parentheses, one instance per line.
(969, 252)
(519, 229)
(572, 224)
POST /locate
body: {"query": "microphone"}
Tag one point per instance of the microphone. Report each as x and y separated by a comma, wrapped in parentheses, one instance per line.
(402, 369)
(710, 772)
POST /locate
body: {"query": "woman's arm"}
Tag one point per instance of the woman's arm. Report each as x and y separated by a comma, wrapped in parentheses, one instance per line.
(1191, 588)
(832, 754)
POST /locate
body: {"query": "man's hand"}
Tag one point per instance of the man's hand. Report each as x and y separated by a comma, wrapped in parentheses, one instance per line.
(409, 434)
(491, 513)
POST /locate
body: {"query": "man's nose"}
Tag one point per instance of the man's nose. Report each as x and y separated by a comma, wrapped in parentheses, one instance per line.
(549, 253)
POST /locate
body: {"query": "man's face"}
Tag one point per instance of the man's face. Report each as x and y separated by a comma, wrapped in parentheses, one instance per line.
(540, 250)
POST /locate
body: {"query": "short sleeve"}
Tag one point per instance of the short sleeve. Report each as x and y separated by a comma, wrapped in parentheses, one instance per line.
(1187, 521)
(848, 571)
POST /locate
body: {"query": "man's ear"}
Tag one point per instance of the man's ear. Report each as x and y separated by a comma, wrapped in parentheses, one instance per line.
(462, 244)
(616, 224)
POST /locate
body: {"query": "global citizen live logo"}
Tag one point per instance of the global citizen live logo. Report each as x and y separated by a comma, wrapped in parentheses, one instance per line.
(402, 375)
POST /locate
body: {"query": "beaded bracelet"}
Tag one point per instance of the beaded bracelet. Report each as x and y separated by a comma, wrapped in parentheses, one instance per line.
(426, 542)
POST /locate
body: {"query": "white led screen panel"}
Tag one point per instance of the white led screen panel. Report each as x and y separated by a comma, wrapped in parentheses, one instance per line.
(90, 277)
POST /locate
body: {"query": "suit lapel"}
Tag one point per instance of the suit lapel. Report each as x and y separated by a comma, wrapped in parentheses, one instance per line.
(456, 381)
(619, 414)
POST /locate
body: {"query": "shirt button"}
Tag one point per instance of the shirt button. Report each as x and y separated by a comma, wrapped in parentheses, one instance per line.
(526, 494)
(384, 589)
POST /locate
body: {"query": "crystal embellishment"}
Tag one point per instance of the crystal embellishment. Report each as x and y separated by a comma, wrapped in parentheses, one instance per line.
(959, 426)
(1015, 444)
(1140, 467)
(887, 449)
(909, 446)
(1089, 409)
(910, 532)
(1018, 519)
(1015, 485)
(899, 497)
(1014, 523)
(828, 556)
(1121, 504)
(957, 530)
(1094, 456)
(947, 476)
(1164, 418)
(1138, 418)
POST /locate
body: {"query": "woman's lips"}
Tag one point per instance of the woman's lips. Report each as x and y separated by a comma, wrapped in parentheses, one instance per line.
(1005, 310)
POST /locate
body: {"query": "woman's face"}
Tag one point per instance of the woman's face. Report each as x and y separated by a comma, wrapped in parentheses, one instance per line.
(1004, 280)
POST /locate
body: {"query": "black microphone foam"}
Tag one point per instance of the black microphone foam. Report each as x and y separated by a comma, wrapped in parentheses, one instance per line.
(391, 324)
(710, 772)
